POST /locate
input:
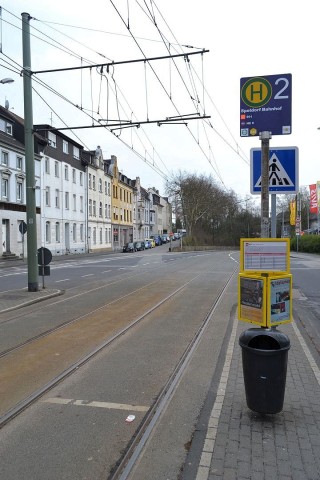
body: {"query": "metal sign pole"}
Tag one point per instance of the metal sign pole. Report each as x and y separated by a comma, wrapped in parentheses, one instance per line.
(265, 137)
(273, 215)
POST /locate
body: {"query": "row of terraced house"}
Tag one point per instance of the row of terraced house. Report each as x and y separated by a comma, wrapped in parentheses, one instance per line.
(84, 203)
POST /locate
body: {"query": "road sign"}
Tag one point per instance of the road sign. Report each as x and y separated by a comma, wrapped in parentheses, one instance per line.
(44, 256)
(283, 170)
(22, 228)
(265, 105)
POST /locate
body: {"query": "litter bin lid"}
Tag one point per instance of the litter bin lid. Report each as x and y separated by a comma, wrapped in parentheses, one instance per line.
(276, 336)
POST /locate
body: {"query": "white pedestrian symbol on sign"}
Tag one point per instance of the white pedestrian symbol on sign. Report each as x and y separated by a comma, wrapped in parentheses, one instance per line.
(278, 176)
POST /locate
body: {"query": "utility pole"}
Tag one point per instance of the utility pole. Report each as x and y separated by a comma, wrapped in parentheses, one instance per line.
(33, 285)
(265, 137)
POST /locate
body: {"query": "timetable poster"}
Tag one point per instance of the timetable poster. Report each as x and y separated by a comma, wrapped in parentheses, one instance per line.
(280, 298)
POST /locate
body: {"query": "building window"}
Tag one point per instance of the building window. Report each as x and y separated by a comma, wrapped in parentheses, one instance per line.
(94, 236)
(74, 175)
(57, 199)
(47, 196)
(81, 204)
(94, 208)
(19, 163)
(4, 158)
(48, 232)
(66, 200)
(100, 185)
(89, 183)
(65, 146)
(100, 235)
(57, 232)
(81, 232)
(74, 202)
(76, 153)
(106, 210)
(19, 191)
(66, 172)
(5, 189)
(90, 207)
(100, 209)
(56, 169)
(81, 178)
(47, 165)
(121, 193)
(93, 182)
(52, 139)
(74, 232)
(5, 126)
(105, 188)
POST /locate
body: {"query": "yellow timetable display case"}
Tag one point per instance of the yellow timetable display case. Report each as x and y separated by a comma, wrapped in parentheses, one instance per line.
(265, 255)
(265, 300)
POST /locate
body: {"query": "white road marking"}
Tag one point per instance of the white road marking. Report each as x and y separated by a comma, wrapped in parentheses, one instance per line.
(206, 457)
(64, 280)
(307, 352)
(88, 275)
(107, 271)
(107, 405)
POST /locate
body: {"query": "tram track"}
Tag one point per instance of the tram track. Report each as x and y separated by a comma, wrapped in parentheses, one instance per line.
(30, 399)
(150, 350)
(135, 449)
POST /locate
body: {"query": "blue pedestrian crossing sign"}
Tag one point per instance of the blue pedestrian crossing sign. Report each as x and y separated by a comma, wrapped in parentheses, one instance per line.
(283, 170)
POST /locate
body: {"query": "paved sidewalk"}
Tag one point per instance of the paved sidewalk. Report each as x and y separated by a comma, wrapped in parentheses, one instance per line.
(14, 299)
(241, 444)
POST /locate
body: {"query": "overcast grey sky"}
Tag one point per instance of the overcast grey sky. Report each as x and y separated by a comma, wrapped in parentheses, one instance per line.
(244, 39)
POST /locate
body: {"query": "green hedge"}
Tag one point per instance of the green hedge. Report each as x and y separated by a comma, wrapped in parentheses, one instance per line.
(306, 243)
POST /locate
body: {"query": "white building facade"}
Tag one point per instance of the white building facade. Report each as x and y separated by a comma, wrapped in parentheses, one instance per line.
(63, 195)
(13, 185)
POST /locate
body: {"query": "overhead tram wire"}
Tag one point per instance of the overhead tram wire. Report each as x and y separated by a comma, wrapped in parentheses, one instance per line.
(204, 153)
(178, 44)
(67, 51)
(60, 118)
(65, 99)
(135, 130)
(152, 18)
(216, 170)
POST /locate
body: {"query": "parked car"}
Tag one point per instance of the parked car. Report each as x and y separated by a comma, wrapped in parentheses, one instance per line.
(153, 244)
(139, 246)
(157, 239)
(147, 244)
(165, 238)
(176, 236)
(129, 247)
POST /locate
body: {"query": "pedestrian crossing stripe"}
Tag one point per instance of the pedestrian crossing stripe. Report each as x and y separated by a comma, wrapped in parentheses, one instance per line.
(278, 176)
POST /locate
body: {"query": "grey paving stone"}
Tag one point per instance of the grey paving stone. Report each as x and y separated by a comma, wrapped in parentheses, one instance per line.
(285, 446)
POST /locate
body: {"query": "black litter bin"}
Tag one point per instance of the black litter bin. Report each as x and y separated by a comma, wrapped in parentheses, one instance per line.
(264, 361)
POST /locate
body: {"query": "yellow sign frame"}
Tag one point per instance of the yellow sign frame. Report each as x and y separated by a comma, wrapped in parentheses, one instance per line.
(265, 300)
(265, 255)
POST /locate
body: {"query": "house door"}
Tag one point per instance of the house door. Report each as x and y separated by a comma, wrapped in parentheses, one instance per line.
(67, 236)
(5, 236)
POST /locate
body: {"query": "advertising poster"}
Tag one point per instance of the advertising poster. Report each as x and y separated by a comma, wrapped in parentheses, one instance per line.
(251, 293)
(280, 300)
